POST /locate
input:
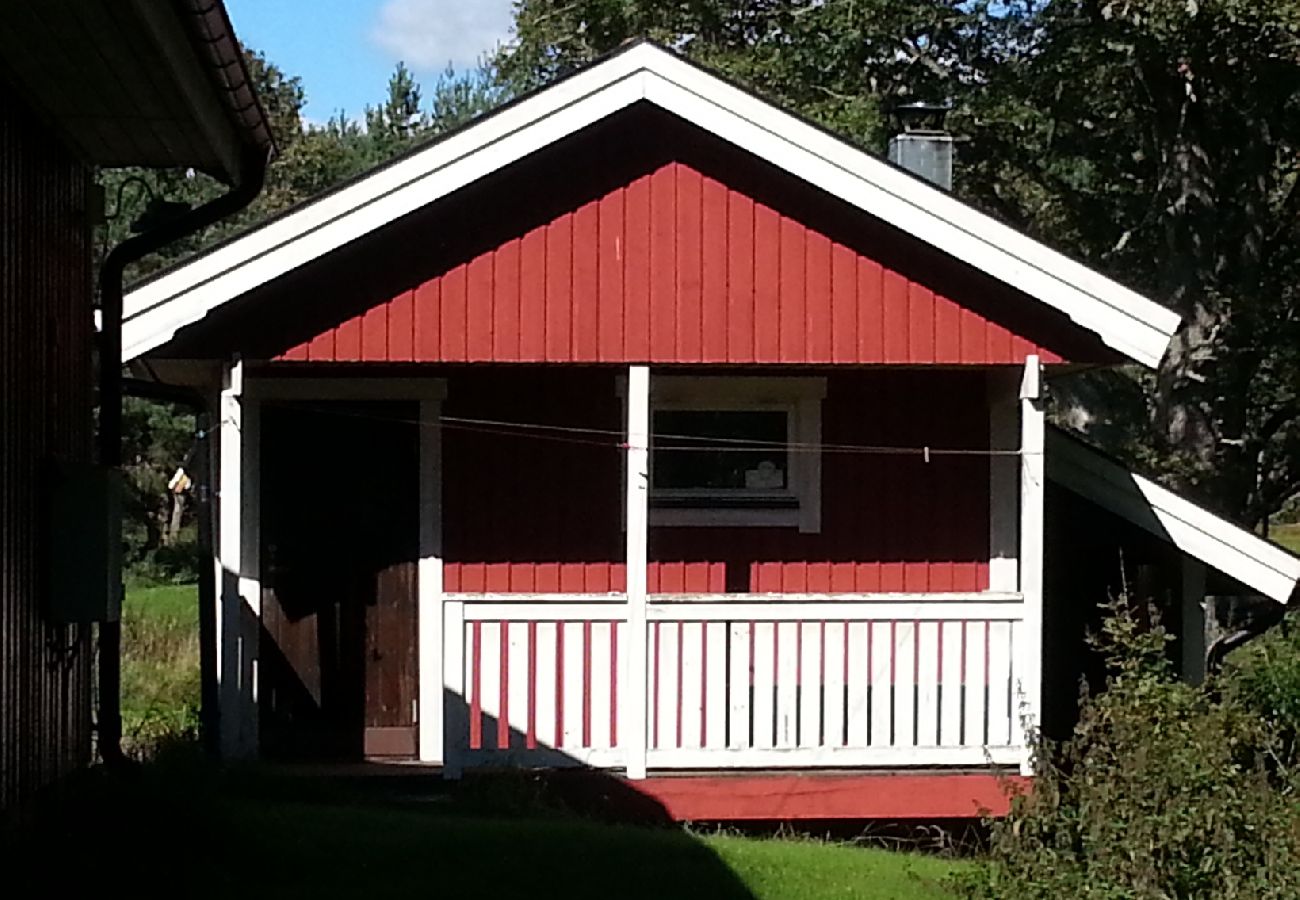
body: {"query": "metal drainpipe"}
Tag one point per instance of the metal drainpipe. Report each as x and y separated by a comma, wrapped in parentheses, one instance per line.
(111, 275)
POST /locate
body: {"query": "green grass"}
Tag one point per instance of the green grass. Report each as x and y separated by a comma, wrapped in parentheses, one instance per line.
(226, 835)
(160, 666)
(1288, 536)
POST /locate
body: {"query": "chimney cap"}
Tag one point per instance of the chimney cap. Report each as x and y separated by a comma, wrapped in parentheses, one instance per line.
(920, 117)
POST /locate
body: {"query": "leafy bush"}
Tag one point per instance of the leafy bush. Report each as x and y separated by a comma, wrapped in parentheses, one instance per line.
(1264, 676)
(1163, 791)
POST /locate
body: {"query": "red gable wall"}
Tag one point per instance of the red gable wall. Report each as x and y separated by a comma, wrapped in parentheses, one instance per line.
(673, 266)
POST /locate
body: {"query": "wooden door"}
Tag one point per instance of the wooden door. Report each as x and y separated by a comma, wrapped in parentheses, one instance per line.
(339, 549)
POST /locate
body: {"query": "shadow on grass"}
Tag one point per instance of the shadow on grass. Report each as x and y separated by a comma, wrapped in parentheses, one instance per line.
(185, 829)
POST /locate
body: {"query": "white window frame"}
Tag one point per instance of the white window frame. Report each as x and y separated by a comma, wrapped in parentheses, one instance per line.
(799, 397)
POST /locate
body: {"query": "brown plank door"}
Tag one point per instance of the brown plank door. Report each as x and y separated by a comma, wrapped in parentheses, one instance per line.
(339, 549)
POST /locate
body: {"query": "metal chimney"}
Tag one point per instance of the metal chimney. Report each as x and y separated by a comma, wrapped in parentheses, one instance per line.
(923, 146)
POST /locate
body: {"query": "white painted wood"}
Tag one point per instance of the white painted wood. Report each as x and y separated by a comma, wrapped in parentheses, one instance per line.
(975, 709)
(692, 683)
(883, 690)
(457, 680)
(1004, 480)
(236, 637)
(601, 684)
(905, 730)
(927, 702)
(764, 728)
(833, 685)
(1121, 318)
(810, 685)
(634, 684)
(1033, 483)
(250, 567)
(665, 673)
(1001, 708)
(429, 584)
(1255, 562)
(547, 691)
(777, 611)
(1193, 636)
(739, 687)
(859, 709)
(950, 699)
(600, 606)
(574, 641)
(502, 602)
(715, 684)
(836, 757)
(492, 691)
(546, 611)
(516, 689)
(787, 684)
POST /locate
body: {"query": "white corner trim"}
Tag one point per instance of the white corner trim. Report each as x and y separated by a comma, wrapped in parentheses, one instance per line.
(1251, 560)
(1123, 319)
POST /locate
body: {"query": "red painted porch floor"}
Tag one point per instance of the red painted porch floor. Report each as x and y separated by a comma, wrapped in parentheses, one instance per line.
(893, 795)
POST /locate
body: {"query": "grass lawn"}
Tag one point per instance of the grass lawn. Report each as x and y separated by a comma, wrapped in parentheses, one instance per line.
(160, 665)
(229, 835)
(1288, 536)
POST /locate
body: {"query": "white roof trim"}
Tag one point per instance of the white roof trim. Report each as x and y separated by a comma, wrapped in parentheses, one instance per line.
(1122, 319)
(1251, 560)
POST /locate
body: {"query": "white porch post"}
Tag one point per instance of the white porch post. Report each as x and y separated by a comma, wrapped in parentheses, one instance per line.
(238, 587)
(1029, 650)
(637, 487)
(431, 695)
(1193, 624)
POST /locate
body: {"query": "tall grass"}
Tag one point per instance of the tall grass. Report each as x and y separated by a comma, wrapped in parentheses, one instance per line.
(160, 668)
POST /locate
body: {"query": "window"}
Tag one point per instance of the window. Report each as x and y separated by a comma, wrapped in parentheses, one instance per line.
(736, 451)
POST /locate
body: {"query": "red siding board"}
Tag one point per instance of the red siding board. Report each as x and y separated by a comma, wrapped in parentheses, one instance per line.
(689, 266)
(586, 284)
(714, 271)
(505, 302)
(532, 296)
(559, 289)
(741, 327)
(678, 266)
(663, 265)
(611, 240)
(480, 292)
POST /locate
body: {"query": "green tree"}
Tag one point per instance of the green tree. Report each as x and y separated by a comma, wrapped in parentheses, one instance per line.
(1157, 140)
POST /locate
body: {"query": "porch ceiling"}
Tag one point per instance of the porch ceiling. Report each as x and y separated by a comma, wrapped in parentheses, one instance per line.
(136, 82)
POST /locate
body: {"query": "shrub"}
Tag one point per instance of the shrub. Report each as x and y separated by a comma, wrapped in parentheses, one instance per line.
(1264, 676)
(1163, 791)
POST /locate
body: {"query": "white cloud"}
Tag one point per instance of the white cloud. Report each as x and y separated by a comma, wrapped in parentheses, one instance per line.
(429, 34)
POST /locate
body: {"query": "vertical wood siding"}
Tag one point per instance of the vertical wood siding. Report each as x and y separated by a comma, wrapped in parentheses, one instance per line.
(45, 415)
(676, 266)
(526, 514)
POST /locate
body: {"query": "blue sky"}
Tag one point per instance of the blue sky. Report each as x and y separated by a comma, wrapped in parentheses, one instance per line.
(344, 50)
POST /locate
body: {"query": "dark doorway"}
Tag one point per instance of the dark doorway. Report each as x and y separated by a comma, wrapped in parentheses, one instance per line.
(340, 535)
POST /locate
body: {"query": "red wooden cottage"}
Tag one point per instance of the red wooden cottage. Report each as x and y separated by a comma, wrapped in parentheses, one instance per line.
(645, 427)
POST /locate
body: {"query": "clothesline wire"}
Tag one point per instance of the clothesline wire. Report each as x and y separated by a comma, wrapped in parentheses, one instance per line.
(585, 436)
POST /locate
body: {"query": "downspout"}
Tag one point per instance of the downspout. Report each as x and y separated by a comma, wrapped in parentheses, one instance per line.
(111, 275)
(1218, 652)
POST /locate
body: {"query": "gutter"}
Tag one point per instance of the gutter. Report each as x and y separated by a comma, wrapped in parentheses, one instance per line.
(111, 383)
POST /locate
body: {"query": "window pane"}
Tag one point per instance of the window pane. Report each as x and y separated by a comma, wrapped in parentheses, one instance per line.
(720, 450)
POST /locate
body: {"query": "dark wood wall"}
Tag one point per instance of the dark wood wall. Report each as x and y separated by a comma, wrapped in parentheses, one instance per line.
(45, 416)
(525, 513)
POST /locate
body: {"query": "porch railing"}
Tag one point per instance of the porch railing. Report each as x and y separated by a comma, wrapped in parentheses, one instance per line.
(753, 682)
